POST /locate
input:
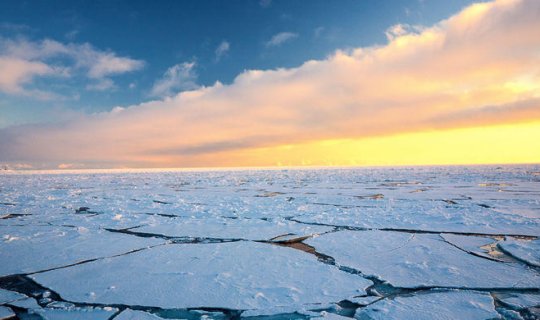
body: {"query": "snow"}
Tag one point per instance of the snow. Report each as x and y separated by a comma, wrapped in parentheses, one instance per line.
(433, 305)
(519, 300)
(419, 260)
(70, 314)
(472, 244)
(526, 251)
(270, 243)
(7, 296)
(129, 314)
(6, 313)
(252, 229)
(238, 275)
(37, 248)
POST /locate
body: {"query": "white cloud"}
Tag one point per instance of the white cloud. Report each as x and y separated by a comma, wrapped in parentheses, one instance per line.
(16, 72)
(280, 38)
(179, 77)
(222, 49)
(265, 3)
(481, 66)
(106, 64)
(30, 59)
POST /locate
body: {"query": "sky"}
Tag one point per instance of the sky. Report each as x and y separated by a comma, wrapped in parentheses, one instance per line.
(115, 84)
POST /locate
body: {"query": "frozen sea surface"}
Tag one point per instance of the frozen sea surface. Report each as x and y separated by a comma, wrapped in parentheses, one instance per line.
(371, 243)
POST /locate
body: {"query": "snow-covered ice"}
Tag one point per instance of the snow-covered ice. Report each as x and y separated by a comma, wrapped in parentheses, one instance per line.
(465, 305)
(420, 260)
(129, 314)
(526, 251)
(238, 275)
(424, 242)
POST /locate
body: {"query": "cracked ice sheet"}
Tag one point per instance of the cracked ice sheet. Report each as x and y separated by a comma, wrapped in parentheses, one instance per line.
(470, 243)
(519, 300)
(527, 251)
(422, 215)
(420, 260)
(34, 248)
(238, 275)
(432, 306)
(252, 229)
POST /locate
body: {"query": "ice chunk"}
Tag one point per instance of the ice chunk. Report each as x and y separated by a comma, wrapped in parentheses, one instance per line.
(26, 303)
(519, 300)
(526, 251)
(129, 314)
(6, 313)
(79, 314)
(43, 247)
(235, 275)
(432, 305)
(7, 296)
(480, 246)
(419, 260)
(330, 316)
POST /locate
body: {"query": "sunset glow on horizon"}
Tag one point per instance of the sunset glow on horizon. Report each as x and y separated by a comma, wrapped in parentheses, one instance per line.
(465, 90)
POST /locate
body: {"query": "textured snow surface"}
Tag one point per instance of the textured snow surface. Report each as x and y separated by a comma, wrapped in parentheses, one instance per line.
(520, 300)
(420, 260)
(272, 244)
(438, 305)
(6, 313)
(35, 248)
(69, 314)
(527, 251)
(9, 296)
(239, 275)
(252, 229)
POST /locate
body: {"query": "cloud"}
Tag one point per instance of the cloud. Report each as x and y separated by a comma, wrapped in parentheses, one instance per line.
(265, 3)
(479, 67)
(16, 72)
(318, 31)
(281, 38)
(22, 61)
(179, 77)
(101, 85)
(222, 49)
(400, 29)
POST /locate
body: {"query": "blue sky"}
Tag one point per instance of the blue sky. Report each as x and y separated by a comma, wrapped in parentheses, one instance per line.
(171, 46)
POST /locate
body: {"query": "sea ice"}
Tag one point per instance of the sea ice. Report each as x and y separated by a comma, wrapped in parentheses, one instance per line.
(28, 249)
(251, 229)
(383, 218)
(480, 246)
(7, 296)
(526, 251)
(519, 300)
(432, 305)
(6, 313)
(238, 275)
(129, 314)
(419, 260)
(79, 314)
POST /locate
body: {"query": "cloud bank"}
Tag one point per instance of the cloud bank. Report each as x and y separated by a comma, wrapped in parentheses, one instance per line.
(479, 67)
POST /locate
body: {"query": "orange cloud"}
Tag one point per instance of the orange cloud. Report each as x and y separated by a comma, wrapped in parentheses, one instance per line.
(480, 67)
